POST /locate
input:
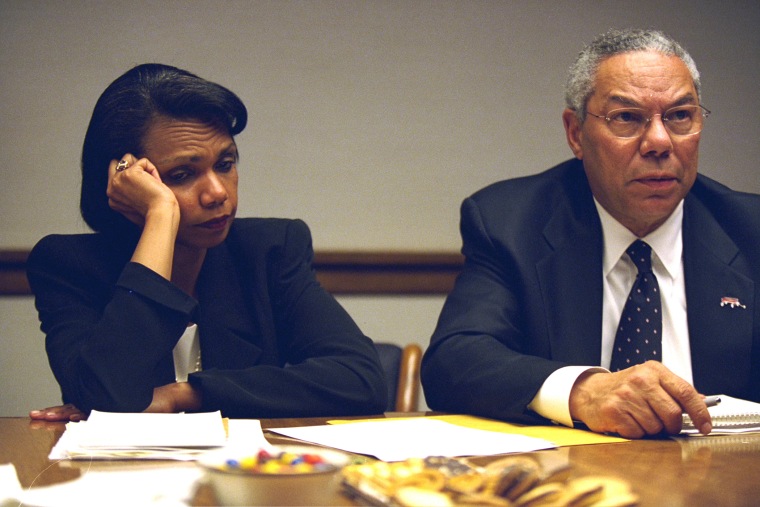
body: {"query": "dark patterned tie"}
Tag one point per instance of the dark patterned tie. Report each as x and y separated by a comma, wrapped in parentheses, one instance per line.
(639, 334)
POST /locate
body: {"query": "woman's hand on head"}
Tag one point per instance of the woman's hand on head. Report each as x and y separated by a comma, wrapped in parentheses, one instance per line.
(137, 190)
(58, 413)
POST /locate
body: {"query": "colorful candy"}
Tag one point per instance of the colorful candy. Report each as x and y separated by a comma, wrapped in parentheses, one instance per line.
(283, 463)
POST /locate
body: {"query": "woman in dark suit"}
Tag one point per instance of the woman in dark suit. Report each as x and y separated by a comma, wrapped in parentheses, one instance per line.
(173, 304)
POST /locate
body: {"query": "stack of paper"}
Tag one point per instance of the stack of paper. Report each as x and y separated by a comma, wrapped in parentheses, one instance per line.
(107, 435)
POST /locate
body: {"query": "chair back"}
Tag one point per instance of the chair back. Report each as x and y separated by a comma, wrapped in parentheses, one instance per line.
(402, 372)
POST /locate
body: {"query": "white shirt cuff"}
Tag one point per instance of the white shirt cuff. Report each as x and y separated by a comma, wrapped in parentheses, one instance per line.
(552, 401)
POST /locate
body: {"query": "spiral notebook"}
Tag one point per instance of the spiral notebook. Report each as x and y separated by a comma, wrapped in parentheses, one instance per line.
(731, 415)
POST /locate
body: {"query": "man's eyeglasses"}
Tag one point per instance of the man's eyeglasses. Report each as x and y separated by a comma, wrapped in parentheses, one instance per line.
(629, 122)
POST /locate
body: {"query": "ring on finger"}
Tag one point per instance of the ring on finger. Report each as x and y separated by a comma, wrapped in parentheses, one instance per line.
(123, 164)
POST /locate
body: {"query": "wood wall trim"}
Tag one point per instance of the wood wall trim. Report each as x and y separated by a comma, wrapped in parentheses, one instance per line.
(13, 273)
(387, 272)
(340, 272)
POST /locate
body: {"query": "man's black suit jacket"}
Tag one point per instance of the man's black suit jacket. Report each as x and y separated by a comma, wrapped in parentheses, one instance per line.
(529, 298)
(273, 342)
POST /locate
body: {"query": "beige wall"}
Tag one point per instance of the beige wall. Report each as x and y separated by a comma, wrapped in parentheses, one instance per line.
(371, 120)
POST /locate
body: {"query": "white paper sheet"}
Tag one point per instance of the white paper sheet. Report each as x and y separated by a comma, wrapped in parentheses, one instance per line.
(135, 430)
(164, 487)
(245, 435)
(398, 440)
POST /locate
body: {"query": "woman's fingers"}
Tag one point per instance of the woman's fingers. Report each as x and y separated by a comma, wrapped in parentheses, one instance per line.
(135, 186)
(121, 165)
(64, 413)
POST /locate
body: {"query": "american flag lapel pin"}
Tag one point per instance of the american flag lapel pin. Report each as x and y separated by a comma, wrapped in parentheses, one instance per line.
(732, 302)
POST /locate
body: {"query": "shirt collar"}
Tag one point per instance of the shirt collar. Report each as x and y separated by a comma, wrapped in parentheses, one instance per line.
(666, 241)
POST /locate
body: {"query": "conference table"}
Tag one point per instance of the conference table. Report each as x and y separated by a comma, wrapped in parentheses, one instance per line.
(715, 471)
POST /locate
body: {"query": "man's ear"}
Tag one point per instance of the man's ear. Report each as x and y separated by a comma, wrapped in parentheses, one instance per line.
(573, 132)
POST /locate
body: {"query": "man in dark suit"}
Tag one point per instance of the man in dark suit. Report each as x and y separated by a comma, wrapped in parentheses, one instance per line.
(531, 330)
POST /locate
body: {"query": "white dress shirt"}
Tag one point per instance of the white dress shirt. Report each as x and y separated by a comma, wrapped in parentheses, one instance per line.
(552, 400)
(187, 354)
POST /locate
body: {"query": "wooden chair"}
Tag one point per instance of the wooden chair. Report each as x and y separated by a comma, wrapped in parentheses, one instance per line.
(402, 370)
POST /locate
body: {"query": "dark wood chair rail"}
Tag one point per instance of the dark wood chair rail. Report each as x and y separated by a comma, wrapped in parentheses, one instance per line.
(340, 272)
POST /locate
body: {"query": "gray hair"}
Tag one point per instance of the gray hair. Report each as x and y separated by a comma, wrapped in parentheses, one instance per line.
(580, 81)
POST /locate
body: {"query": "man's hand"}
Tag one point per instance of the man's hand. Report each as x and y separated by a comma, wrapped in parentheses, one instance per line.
(176, 397)
(58, 413)
(646, 399)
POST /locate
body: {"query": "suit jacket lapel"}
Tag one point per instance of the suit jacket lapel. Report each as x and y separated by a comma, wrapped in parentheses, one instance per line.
(720, 336)
(571, 277)
(225, 319)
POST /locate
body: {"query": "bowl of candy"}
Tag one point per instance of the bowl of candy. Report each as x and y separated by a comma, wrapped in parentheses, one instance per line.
(284, 475)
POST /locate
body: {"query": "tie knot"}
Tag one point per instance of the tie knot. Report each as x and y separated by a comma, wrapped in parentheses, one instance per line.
(641, 255)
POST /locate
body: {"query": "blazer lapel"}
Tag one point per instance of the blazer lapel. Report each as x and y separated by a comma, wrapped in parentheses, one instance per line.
(720, 334)
(229, 337)
(570, 277)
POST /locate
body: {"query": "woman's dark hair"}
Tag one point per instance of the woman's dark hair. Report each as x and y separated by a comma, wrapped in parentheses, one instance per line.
(124, 113)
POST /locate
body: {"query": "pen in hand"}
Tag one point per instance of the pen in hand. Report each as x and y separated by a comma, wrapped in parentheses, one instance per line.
(688, 424)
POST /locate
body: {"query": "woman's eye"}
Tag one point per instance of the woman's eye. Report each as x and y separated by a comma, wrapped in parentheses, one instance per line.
(225, 166)
(178, 176)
